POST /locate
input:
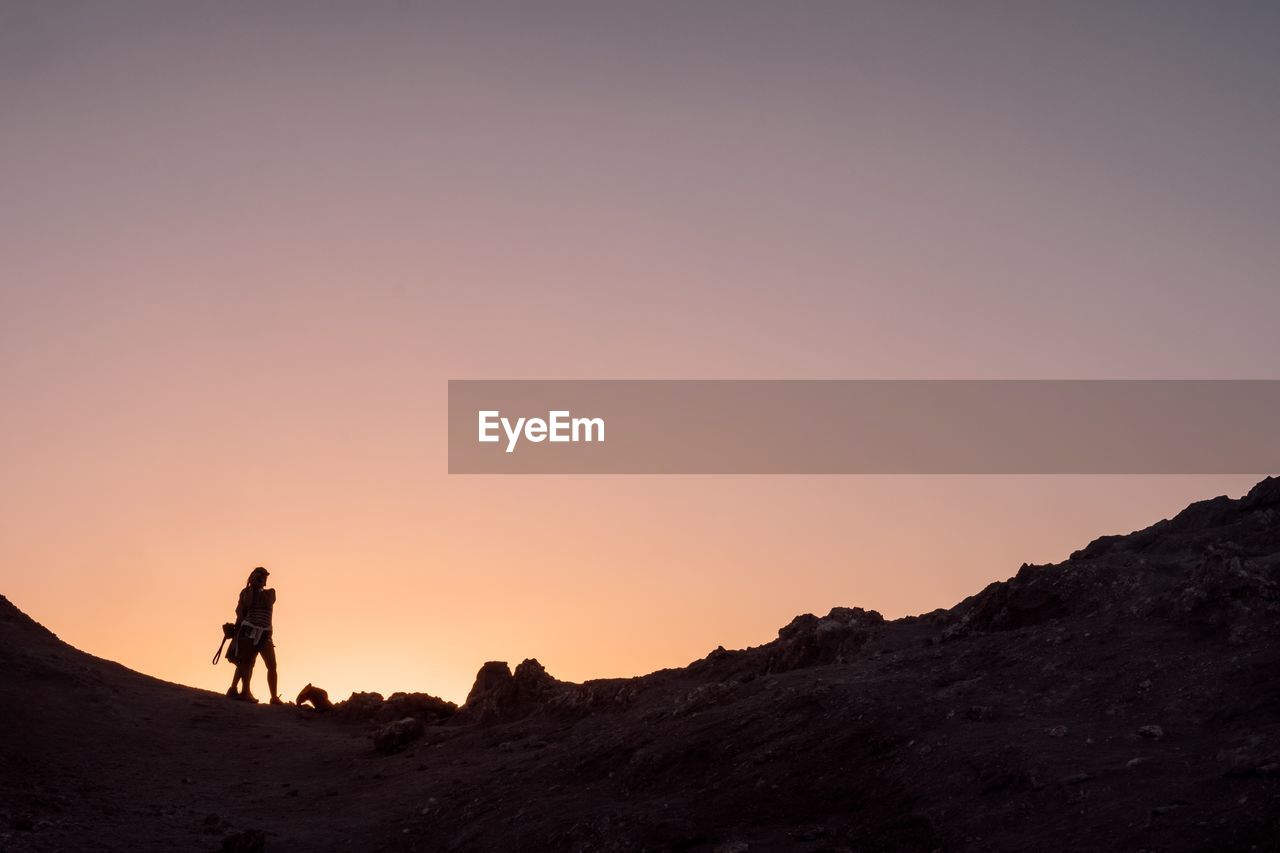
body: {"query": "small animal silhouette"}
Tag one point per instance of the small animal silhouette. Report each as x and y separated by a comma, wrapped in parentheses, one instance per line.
(318, 697)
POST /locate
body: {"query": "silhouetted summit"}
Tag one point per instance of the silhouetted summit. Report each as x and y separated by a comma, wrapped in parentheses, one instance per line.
(1127, 698)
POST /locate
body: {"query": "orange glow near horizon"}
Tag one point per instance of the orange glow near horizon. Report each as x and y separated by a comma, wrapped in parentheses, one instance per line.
(596, 577)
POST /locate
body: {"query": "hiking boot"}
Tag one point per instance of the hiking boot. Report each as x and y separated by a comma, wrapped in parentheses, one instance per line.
(247, 697)
(275, 700)
(232, 694)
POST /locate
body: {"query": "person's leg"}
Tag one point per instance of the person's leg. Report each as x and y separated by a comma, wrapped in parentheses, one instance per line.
(248, 654)
(268, 651)
(233, 692)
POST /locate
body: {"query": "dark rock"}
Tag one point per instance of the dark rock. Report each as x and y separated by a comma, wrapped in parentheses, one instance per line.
(1024, 601)
(1097, 548)
(423, 706)
(499, 694)
(493, 677)
(1202, 515)
(704, 696)
(359, 707)
(1264, 494)
(393, 737)
(372, 708)
(1224, 592)
(809, 641)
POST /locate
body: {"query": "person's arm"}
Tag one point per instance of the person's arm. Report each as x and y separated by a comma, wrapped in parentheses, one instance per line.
(242, 606)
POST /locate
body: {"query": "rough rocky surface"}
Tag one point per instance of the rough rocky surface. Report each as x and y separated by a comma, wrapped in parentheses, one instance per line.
(393, 737)
(372, 708)
(1126, 699)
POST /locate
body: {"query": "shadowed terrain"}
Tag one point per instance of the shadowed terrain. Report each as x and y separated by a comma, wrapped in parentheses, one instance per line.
(1125, 699)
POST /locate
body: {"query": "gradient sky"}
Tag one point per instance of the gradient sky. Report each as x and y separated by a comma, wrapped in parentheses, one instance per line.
(242, 249)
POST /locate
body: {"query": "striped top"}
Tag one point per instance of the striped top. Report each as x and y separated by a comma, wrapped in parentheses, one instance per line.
(255, 606)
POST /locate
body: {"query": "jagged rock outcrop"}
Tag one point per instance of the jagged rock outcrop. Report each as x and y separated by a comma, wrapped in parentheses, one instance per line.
(498, 694)
(811, 641)
(372, 708)
(1215, 565)
(805, 641)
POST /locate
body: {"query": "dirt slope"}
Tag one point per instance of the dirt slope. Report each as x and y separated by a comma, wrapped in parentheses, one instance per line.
(1127, 699)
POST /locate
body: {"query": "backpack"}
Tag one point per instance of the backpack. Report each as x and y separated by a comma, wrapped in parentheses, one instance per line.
(228, 633)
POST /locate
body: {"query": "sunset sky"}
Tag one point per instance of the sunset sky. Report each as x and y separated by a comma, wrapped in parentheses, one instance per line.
(242, 250)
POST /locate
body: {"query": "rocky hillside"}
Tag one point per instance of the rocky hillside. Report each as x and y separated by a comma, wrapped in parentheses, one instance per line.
(1126, 699)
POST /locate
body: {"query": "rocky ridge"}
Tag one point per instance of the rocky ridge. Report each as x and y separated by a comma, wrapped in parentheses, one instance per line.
(1127, 698)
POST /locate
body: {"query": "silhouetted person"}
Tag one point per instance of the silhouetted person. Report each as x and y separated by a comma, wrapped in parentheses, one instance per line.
(253, 636)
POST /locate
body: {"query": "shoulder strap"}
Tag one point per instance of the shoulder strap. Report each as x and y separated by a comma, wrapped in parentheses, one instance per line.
(218, 655)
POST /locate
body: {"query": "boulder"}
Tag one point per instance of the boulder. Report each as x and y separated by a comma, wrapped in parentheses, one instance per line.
(372, 708)
(499, 694)
(359, 707)
(423, 706)
(493, 677)
(393, 737)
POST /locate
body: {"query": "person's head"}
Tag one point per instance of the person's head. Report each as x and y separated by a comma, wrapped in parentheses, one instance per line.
(258, 578)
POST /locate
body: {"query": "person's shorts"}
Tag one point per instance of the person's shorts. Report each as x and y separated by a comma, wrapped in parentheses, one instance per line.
(247, 653)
